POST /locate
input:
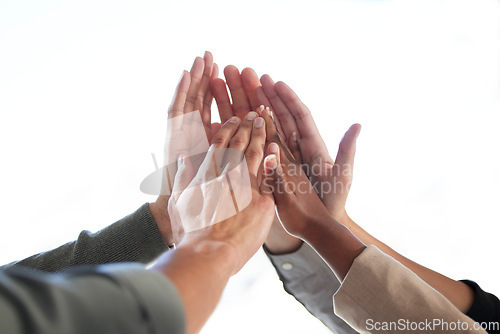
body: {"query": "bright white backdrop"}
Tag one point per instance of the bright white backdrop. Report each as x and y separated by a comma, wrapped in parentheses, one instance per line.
(84, 88)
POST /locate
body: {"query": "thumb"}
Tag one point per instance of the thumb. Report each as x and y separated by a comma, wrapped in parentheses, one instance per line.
(347, 150)
(274, 180)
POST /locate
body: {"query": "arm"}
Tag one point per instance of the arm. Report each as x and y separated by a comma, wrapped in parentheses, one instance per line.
(338, 175)
(145, 234)
(135, 238)
(460, 294)
(116, 298)
(309, 279)
(375, 288)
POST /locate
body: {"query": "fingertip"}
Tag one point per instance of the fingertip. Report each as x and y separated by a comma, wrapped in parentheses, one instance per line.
(217, 83)
(273, 148)
(260, 109)
(234, 120)
(355, 129)
(198, 61)
(266, 78)
(207, 55)
(184, 81)
(248, 71)
(281, 84)
(215, 71)
(271, 163)
(231, 69)
(258, 122)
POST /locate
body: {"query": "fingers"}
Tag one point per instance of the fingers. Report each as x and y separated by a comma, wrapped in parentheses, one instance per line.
(214, 128)
(255, 150)
(241, 139)
(347, 151)
(221, 139)
(239, 143)
(204, 96)
(176, 108)
(196, 75)
(287, 120)
(252, 85)
(241, 105)
(273, 135)
(293, 146)
(271, 130)
(300, 112)
(219, 91)
(275, 180)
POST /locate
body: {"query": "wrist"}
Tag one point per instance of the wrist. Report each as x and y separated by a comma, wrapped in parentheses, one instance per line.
(347, 221)
(279, 242)
(159, 212)
(221, 252)
(317, 227)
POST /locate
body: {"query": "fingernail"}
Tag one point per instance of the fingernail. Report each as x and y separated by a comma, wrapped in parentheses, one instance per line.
(234, 120)
(260, 109)
(258, 122)
(180, 160)
(294, 136)
(273, 148)
(270, 113)
(251, 116)
(271, 161)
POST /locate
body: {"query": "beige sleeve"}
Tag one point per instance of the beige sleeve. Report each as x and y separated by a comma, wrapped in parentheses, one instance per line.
(380, 295)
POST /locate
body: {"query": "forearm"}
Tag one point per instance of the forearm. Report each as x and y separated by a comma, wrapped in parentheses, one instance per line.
(279, 242)
(456, 292)
(335, 244)
(115, 298)
(135, 238)
(200, 271)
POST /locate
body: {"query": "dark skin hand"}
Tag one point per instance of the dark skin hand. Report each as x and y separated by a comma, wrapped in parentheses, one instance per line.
(304, 216)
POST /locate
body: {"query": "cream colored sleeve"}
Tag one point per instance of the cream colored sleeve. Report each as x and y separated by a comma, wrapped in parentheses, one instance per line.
(380, 295)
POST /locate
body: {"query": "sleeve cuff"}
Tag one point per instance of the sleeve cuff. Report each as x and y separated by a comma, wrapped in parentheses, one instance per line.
(299, 265)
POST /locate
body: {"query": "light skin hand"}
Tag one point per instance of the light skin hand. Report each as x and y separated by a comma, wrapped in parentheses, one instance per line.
(192, 93)
(206, 258)
(247, 94)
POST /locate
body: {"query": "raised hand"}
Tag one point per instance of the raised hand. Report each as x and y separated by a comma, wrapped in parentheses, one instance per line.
(303, 215)
(192, 93)
(197, 208)
(331, 179)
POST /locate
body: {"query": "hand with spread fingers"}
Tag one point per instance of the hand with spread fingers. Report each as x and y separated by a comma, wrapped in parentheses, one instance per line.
(303, 215)
(331, 179)
(211, 202)
(192, 94)
(247, 94)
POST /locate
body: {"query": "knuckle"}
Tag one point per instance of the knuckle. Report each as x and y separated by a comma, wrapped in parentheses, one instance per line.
(241, 109)
(173, 110)
(254, 153)
(190, 99)
(238, 141)
(218, 140)
(302, 113)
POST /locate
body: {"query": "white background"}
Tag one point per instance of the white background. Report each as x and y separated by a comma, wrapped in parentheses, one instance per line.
(84, 88)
